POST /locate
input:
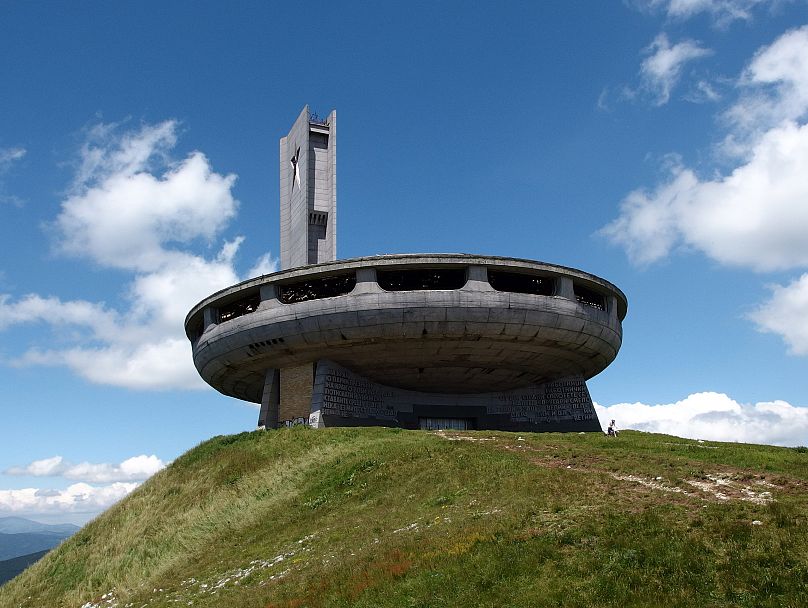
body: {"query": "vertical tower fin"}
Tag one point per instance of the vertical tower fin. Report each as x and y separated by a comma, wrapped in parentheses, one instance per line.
(308, 191)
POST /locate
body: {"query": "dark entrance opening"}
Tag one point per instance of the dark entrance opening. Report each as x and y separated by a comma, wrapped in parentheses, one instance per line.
(453, 424)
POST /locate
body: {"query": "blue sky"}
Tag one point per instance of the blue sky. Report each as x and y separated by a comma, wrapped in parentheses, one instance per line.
(660, 144)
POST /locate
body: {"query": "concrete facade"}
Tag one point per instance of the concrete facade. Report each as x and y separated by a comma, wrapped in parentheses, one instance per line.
(471, 340)
(411, 340)
(308, 191)
(297, 382)
(343, 398)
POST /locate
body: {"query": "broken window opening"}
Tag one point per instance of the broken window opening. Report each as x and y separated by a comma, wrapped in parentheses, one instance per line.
(589, 297)
(316, 289)
(417, 279)
(239, 308)
(517, 282)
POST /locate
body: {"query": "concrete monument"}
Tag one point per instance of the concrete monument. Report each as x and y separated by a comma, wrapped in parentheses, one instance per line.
(412, 340)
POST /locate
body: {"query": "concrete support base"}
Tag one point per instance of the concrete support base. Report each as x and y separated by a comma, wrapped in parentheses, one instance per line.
(339, 397)
(270, 401)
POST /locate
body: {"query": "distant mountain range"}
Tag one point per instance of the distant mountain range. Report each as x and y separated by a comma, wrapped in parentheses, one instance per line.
(18, 525)
(23, 541)
(9, 568)
(14, 545)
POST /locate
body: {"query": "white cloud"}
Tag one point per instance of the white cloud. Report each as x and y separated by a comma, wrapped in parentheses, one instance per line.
(133, 209)
(9, 155)
(39, 468)
(722, 11)
(702, 92)
(106, 152)
(119, 479)
(755, 217)
(774, 87)
(662, 68)
(716, 417)
(122, 216)
(34, 308)
(266, 264)
(77, 498)
(137, 468)
(785, 313)
(154, 365)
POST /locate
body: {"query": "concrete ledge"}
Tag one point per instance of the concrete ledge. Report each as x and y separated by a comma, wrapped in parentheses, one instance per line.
(365, 269)
(473, 339)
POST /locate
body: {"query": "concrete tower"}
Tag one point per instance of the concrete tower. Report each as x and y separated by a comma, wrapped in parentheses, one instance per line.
(308, 176)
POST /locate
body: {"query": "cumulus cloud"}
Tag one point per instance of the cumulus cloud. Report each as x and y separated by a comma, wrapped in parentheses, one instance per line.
(77, 498)
(755, 215)
(785, 313)
(39, 468)
(662, 67)
(774, 87)
(137, 468)
(33, 308)
(134, 209)
(715, 417)
(121, 215)
(266, 264)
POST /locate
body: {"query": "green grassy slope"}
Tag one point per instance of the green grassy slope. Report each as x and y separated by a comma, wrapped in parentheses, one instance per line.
(384, 517)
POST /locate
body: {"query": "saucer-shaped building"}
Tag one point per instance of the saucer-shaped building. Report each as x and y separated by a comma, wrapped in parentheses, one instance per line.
(414, 341)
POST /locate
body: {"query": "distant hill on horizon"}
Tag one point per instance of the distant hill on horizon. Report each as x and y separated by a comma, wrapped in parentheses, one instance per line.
(9, 568)
(16, 525)
(23, 543)
(383, 518)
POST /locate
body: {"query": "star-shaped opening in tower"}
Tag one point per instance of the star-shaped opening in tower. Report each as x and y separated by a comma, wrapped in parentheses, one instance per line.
(295, 170)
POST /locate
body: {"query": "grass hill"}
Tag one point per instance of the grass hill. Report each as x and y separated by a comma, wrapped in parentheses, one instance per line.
(385, 517)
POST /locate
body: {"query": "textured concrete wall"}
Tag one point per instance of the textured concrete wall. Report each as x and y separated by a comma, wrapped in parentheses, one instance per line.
(474, 339)
(292, 195)
(343, 398)
(296, 390)
(270, 400)
(302, 242)
(329, 251)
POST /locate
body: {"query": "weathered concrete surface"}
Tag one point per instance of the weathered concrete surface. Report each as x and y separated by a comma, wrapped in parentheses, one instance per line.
(440, 340)
(308, 191)
(469, 340)
(296, 390)
(342, 398)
